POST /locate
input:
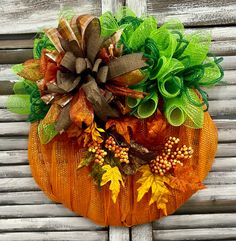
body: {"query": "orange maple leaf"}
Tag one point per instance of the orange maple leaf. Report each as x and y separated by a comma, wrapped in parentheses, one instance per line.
(185, 179)
(31, 70)
(123, 126)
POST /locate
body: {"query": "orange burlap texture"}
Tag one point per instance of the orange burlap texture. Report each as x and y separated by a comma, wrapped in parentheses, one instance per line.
(54, 167)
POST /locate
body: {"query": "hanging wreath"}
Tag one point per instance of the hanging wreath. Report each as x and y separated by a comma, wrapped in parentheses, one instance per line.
(120, 131)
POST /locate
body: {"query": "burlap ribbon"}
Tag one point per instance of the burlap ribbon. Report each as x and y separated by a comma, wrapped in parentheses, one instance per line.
(80, 43)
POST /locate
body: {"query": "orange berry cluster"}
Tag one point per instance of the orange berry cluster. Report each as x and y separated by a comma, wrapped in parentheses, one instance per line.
(169, 157)
(95, 148)
(119, 152)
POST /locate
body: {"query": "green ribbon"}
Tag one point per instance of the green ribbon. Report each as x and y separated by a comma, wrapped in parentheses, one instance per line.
(175, 112)
(147, 106)
(170, 87)
(27, 100)
(132, 102)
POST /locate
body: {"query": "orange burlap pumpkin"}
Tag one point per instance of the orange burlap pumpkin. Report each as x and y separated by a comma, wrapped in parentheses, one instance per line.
(54, 169)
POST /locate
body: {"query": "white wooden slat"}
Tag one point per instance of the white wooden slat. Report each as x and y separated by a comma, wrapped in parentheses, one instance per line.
(224, 164)
(207, 199)
(118, 233)
(7, 144)
(222, 107)
(28, 183)
(229, 77)
(112, 6)
(16, 51)
(218, 33)
(35, 210)
(15, 171)
(226, 150)
(13, 157)
(138, 6)
(227, 135)
(13, 143)
(221, 165)
(18, 184)
(20, 157)
(55, 236)
(22, 198)
(225, 123)
(196, 221)
(15, 56)
(192, 13)
(219, 178)
(221, 198)
(21, 143)
(214, 198)
(30, 17)
(47, 224)
(6, 73)
(6, 87)
(7, 116)
(225, 92)
(16, 44)
(195, 234)
(142, 232)
(217, 107)
(229, 64)
(14, 129)
(223, 38)
(223, 48)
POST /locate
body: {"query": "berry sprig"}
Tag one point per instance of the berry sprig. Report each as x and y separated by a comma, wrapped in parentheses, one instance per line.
(119, 152)
(169, 158)
(96, 148)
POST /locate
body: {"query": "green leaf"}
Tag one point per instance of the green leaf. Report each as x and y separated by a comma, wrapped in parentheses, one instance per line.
(46, 132)
(97, 173)
(19, 104)
(17, 68)
(86, 160)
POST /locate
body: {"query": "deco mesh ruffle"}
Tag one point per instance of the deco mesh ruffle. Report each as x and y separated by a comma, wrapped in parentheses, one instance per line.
(120, 131)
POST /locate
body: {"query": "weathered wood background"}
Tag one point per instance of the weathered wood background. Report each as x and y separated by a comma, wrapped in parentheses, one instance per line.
(27, 215)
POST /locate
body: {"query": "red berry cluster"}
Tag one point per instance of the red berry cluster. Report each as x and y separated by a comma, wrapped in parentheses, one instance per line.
(169, 158)
(119, 152)
(96, 148)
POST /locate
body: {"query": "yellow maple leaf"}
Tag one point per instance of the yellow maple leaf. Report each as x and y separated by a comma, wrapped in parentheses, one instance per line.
(156, 183)
(112, 175)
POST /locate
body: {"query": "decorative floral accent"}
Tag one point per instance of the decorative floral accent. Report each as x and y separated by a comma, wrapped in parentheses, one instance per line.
(157, 185)
(113, 176)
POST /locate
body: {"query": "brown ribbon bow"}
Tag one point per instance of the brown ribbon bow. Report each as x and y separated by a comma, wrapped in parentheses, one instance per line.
(83, 66)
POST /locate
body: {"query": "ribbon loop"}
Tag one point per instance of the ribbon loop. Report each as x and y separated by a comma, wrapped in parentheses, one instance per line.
(125, 64)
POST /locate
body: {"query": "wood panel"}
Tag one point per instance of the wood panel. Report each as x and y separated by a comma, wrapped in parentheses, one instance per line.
(192, 13)
(47, 224)
(25, 16)
(13, 157)
(55, 236)
(195, 234)
(16, 56)
(28, 184)
(27, 214)
(119, 233)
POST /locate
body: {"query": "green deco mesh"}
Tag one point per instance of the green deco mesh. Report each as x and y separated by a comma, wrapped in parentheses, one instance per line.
(178, 66)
